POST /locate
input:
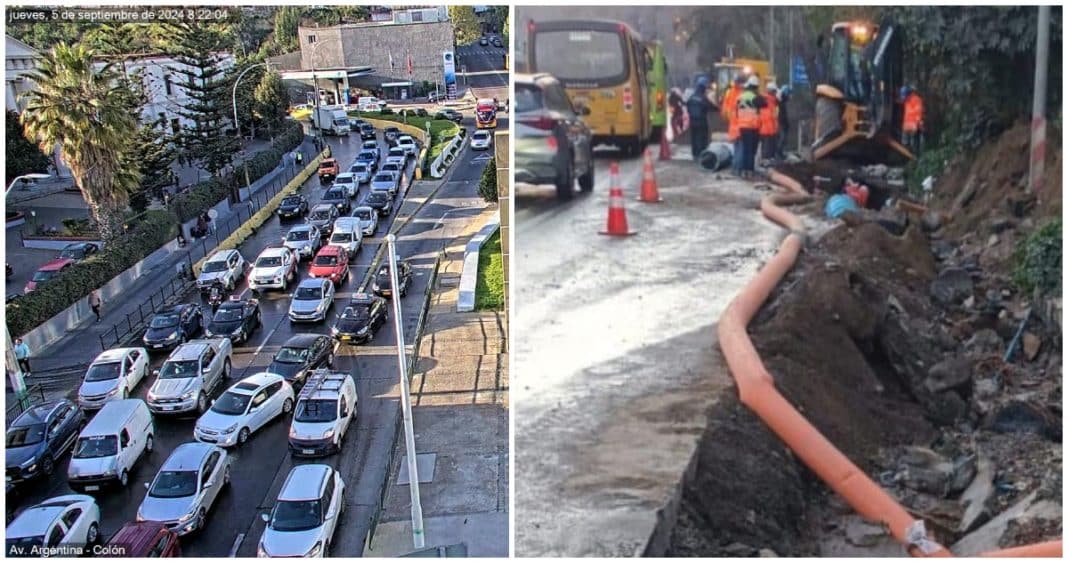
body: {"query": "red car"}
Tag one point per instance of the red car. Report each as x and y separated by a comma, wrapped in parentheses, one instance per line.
(331, 262)
(143, 539)
(47, 272)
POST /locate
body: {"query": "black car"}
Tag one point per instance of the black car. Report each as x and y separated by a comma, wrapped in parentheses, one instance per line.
(380, 201)
(79, 250)
(483, 42)
(173, 326)
(39, 437)
(236, 319)
(383, 282)
(293, 206)
(367, 131)
(391, 133)
(339, 198)
(553, 144)
(360, 319)
(301, 354)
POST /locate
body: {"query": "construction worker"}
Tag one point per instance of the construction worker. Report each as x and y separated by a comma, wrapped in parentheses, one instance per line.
(747, 114)
(769, 122)
(728, 109)
(912, 123)
(697, 107)
(784, 122)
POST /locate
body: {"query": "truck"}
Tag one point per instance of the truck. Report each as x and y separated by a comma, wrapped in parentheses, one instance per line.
(190, 375)
(332, 120)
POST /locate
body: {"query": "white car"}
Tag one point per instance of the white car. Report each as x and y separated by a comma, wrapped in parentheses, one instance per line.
(304, 519)
(348, 181)
(385, 182)
(325, 410)
(361, 171)
(303, 240)
(68, 521)
(481, 140)
(225, 266)
(346, 234)
(186, 487)
(312, 299)
(398, 153)
(407, 143)
(112, 376)
(368, 220)
(393, 164)
(244, 408)
(274, 268)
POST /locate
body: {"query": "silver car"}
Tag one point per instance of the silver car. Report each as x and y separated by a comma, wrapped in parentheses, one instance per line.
(311, 300)
(481, 140)
(361, 171)
(303, 240)
(303, 521)
(186, 487)
(368, 219)
(323, 216)
(384, 182)
(398, 152)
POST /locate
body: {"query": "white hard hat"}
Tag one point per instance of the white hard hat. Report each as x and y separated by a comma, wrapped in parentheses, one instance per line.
(753, 81)
(772, 86)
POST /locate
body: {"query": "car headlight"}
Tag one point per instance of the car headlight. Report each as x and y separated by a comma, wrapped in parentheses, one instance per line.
(292, 432)
(172, 336)
(363, 330)
(112, 392)
(315, 550)
(375, 286)
(186, 517)
(334, 330)
(108, 472)
(140, 517)
(188, 394)
(260, 552)
(32, 463)
(230, 428)
(236, 332)
(151, 396)
(328, 434)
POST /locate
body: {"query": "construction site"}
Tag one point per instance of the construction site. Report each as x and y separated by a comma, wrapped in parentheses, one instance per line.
(854, 352)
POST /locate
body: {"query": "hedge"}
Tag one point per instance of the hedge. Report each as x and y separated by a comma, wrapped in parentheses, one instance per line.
(156, 228)
(207, 194)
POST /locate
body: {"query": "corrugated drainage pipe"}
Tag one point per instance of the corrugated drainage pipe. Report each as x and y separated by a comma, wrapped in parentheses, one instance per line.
(756, 389)
(716, 156)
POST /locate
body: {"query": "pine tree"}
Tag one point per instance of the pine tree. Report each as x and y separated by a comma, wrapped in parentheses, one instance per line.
(22, 156)
(272, 101)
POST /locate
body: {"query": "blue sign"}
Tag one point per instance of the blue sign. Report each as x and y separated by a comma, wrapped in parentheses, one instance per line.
(797, 71)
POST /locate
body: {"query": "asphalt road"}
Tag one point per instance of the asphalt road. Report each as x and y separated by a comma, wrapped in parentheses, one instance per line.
(260, 467)
(485, 69)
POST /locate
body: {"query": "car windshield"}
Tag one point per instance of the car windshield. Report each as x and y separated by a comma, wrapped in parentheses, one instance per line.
(174, 484)
(357, 312)
(527, 98)
(391, 166)
(359, 168)
(89, 447)
(341, 237)
(580, 54)
(269, 262)
(25, 435)
(325, 261)
(334, 194)
(343, 180)
(481, 136)
(179, 369)
(308, 293)
(75, 253)
(291, 355)
(44, 276)
(231, 403)
(326, 164)
(228, 315)
(217, 266)
(396, 151)
(384, 178)
(362, 214)
(104, 372)
(321, 215)
(167, 320)
(291, 202)
(316, 410)
(296, 515)
(366, 155)
(377, 197)
(298, 235)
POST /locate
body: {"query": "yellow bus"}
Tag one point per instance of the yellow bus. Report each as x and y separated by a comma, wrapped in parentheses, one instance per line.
(602, 65)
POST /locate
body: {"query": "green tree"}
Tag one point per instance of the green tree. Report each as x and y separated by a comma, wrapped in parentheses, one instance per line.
(272, 101)
(152, 156)
(84, 111)
(487, 186)
(286, 22)
(23, 156)
(465, 26)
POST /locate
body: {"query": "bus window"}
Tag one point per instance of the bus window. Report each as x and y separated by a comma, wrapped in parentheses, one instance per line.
(581, 56)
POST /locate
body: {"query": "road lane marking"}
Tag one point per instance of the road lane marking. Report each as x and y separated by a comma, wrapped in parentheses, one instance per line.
(264, 343)
(237, 544)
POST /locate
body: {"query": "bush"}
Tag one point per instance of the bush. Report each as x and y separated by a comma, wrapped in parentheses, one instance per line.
(1038, 259)
(155, 229)
(387, 111)
(487, 188)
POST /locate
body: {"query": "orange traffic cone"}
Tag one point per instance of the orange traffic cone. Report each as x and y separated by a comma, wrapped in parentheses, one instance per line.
(617, 215)
(649, 192)
(665, 148)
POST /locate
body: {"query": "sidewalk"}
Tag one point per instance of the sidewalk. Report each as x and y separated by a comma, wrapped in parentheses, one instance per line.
(460, 414)
(81, 345)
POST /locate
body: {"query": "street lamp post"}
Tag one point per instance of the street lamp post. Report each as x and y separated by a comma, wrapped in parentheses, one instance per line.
(25, 178)
(237, 124)
(14, 370)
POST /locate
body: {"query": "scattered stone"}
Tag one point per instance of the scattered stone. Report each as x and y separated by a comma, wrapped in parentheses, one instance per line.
(1021, 416)
(969, 303)
(976, 498)
(951, 286)
(927, 471)
(963, 473)
(945, 409)
(765, 552)
(862, 533)
(737, 549)
(985, 341)
(1001, 225)
(1031, 345)
(948, 374)
(988, 536)
(931, 221)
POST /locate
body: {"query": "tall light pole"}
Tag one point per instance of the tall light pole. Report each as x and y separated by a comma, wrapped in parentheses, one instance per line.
(1037, 178)
(25, 178)
(14, 370)
(237, 124)
(418, 538)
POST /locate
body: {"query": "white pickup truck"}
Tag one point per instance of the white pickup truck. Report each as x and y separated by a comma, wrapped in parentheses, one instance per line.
(190, 375)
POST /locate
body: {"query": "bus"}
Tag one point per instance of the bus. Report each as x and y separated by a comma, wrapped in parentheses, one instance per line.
(657, 70)
(602, 65)
(486, 114)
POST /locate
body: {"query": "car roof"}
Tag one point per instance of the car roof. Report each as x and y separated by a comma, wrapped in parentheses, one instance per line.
(38, 413)
(274, 251)
(222, 255)
(311, 282)
(188, 456)
(301, 340)
(333, 190)
(136, 536)
(112, 355)
(304, 227)
(188, 351)
(111, 414)
(173, 309)
(234, 304)
(322, 206)
(344, 176)
(482, 133)
(34, 521)
(403, 137)
(56, 264)
(330, 249)
(305, 482)
(252, 383)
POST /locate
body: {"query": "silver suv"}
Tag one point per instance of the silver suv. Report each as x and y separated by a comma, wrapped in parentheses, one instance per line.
(186, 487)
(191, 373)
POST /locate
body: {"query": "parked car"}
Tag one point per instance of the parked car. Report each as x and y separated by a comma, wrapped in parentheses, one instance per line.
(383, 283)
(305, 517)
(274, 268)
(322, 218)
(311, 300)
(191, 373)
(339, 198)
(368, 220)
(381, 202)
(304, 240)
(346, 235)
(301, 354)
(348, 181)
(112, 376)
(144, 539)
(361, 171)
(236, 319)
(79, 250)
(40, 436)
(391, 133)
(328, 170)
(109, 447)
(172, 326)
(407, 143)
(225, 267)
(369, 158)
(385, 182)
(332, 263)
(481, 140)
(67, 521)
(553, 145)
(47, 272)
(360, 319)
(186, 487)
(398, 152)
(244, 408)
(293, 206)
(325, 410)
(450, 114)
(367, 131)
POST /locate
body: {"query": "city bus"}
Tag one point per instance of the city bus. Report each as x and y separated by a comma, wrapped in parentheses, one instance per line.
(486, 114)
(658, 87)
(602, 65)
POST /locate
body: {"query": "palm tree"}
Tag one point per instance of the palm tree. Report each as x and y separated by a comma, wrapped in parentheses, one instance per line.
(86, 112)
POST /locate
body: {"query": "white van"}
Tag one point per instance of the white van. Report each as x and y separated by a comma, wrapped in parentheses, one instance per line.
(370, 103)
(347, 234)
(326, 407)
(110, 445)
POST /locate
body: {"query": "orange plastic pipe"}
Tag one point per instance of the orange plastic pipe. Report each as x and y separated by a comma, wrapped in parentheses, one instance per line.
(1044, 549)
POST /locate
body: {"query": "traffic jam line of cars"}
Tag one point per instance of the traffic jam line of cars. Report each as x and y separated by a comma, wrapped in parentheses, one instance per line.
(299, 382)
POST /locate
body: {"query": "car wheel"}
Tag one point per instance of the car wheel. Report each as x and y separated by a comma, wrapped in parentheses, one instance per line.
(93, 534)
(125, 393)
(124, 478)
(587, 179)
(226, 476)
(287, 406)
(285, 283)
(330, 361)
(242, 436)
(48, 466)
(202, 403)
(259, 319)
(202, 515)
(226, 369)
(150, 444)
(565, 182)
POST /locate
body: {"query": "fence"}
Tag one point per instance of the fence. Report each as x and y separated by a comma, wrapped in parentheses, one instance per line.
(34, 394)
(134, 323)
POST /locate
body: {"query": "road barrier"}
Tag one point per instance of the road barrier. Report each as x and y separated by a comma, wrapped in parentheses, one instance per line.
(465, 302)
(34, 395)
(445, 158)
(756, 389)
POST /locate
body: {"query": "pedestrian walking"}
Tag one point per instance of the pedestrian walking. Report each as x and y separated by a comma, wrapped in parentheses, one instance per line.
(298, 157)
(749, 105)
(769, 122)
(22, 355)
(697, 107)
(95, 303)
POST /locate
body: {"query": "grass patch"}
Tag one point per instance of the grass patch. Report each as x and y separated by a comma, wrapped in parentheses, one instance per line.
(489, 288)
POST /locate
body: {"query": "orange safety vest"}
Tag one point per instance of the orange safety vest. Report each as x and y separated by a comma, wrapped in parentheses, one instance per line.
(728, 110)
(769, 117)
(747, 115)
(913, 113)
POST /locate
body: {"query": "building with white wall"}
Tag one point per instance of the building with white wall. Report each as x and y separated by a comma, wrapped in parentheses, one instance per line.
(21, 59)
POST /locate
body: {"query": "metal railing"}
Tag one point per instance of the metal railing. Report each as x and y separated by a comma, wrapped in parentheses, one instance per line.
(34, 395)
(134, 323)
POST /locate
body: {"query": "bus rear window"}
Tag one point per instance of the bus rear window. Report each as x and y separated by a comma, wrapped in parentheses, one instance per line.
(577, 56)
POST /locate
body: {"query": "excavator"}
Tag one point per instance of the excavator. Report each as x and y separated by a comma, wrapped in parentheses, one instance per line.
(858, 117)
